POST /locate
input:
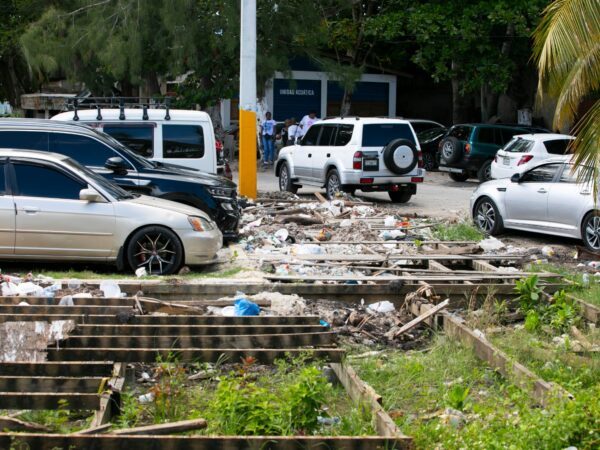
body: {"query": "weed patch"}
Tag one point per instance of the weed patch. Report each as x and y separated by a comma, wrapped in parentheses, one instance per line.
(463, 231)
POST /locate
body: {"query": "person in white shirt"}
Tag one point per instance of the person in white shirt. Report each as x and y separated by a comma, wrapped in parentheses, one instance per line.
(293, 131)
(307, 122)
(267, 128)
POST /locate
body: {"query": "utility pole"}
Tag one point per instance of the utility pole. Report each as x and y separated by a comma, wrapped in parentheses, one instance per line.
(247, 181)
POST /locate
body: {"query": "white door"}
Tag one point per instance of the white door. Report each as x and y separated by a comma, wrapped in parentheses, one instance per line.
(566, 201)
(526, 202)
(303, 154)
(52, 221)
(323, 151)
(7, 216)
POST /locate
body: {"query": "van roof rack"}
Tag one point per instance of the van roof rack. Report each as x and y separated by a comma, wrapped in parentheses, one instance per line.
(82, 102)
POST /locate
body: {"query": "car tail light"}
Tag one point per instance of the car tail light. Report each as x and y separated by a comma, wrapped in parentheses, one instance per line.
(467, 148)
(525, 159)
(357, 161)
(366, 180)
(420, 156)
(416, 179)
(395, 188)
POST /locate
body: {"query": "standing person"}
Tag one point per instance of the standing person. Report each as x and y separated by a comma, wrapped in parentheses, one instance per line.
(284, 132)
(293, 131)
(267, 128)
(307, 121)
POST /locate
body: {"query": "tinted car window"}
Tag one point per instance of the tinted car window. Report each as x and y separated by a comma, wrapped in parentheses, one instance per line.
(27, 140)
(311, 136)
(327, 135)
(557, 146)
(82, 149)
(183, 141)
(486, 135)
(462, 133)
(2, 180)
(568, 175)
(138, 138)
(430, 134)
(344, 135)
(541, 174)
(379, 135)
(423, 126)
(518, 145)
(46, 182)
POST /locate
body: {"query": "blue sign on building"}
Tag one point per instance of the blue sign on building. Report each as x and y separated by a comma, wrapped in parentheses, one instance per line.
(295, 98)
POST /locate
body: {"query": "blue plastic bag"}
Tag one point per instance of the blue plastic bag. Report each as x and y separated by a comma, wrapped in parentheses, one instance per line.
(244, 307)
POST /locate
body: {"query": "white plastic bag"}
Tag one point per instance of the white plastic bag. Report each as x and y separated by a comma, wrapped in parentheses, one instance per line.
(490, 244)
(381, 307)
(110, 289)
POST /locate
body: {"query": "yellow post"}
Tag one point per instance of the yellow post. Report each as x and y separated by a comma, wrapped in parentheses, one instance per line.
(247, 181)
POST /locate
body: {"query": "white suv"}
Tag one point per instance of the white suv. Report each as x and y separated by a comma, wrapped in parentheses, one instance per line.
(350, 153)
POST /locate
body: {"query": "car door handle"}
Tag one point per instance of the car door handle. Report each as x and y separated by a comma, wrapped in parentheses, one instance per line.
(31, 209)
(310, 155)
(542, 191)
(328, 155)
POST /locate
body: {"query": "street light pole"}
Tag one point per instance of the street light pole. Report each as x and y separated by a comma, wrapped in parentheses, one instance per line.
(247, 169)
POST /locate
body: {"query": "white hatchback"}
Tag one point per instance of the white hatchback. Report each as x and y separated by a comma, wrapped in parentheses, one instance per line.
(526, 150)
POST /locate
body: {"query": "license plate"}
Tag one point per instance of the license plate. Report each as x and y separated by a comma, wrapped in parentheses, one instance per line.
(371, 163)
(506, 161)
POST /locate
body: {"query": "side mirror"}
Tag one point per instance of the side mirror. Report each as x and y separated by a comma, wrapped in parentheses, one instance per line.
(116, 164)
(516, 178)
(91, 195)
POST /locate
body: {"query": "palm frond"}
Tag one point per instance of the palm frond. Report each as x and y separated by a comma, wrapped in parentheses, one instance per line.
(587, 147)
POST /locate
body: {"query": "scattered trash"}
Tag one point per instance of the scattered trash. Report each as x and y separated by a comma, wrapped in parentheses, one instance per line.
(391, 235)
(548, 251)
(282, 234)
(381, 307)
(244, 307)
(146, 398)
(594, 264)
(389, 221)
(307, 249)
(67, 300)
(328, 421)
(141, 272)
(491, 244)
(324, 235)
(74, 284)
(110, 289)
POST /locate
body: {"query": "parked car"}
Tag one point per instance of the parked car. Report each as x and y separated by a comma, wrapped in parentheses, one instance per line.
(53, 209)
(214, 195)
(181, 137)
(420, 125)
(429, 140)
(345, 154)
(468, 150)
(546, 199)
(525, 150)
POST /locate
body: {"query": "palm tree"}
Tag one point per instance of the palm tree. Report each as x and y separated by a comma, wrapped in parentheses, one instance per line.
(567, 50)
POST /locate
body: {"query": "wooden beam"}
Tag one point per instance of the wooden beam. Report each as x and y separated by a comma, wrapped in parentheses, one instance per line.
(49, 400)
(193, 330)
(187, 355)
(14, 424)
(164, 428)
(111, 442)
(56, 309)
(590, 312)
(214, 341)
(413, 323)
(57, 369)
(429, 277)
(484, 266)
(125, 301)
(50, 384)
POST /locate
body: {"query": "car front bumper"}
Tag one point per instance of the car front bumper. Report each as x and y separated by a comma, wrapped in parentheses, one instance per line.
(200, 247)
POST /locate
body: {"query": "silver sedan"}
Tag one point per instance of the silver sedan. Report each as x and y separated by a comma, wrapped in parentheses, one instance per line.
(545, 199)
(52, 208)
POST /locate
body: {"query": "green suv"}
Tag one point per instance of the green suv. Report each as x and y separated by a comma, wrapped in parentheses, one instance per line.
(468, 150)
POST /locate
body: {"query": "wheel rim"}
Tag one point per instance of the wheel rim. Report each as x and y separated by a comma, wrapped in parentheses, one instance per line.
(486, 217)
(156, 252)
(333, 185)
(283, 179)
(428, 161)
(592, 232)
(487, 173)
(447, 150)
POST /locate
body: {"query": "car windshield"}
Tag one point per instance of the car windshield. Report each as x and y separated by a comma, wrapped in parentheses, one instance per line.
(461, 132)
(126, 151)
(112, 189)
(379, 135)
(518, 145)
(430, 134)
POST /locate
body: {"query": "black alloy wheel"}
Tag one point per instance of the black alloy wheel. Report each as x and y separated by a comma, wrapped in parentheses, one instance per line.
(155, 248)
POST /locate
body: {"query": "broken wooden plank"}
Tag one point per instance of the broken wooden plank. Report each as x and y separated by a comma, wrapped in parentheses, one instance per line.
(588, 311)
(427, 277)
(192, 330)
(111, 442)
(58, 309)
(56, 369)
(94, 430)
(201, 341)
(320, 197)
(164, 428)
(14, 424)
(187, 355)
(49, 384)
(413, 323)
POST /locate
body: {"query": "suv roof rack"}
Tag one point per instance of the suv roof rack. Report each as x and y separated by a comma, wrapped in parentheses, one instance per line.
(83, 102)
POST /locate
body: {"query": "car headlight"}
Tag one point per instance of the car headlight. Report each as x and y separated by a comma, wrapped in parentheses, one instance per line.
(220, 192)
(200, 223)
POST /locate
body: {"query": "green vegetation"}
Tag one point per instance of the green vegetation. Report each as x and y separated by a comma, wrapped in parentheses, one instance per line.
(589, 293)
(247, 399)
(60, 420)
(463, 231)
(418, 386)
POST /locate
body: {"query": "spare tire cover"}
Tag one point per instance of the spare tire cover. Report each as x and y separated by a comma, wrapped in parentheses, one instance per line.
(451, 150)
(400, 156)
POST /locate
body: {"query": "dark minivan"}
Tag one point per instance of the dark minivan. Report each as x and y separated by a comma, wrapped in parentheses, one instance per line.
(215, 195)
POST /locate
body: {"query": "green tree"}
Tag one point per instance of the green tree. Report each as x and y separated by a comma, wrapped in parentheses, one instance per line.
(480, 46)
(567, 50)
